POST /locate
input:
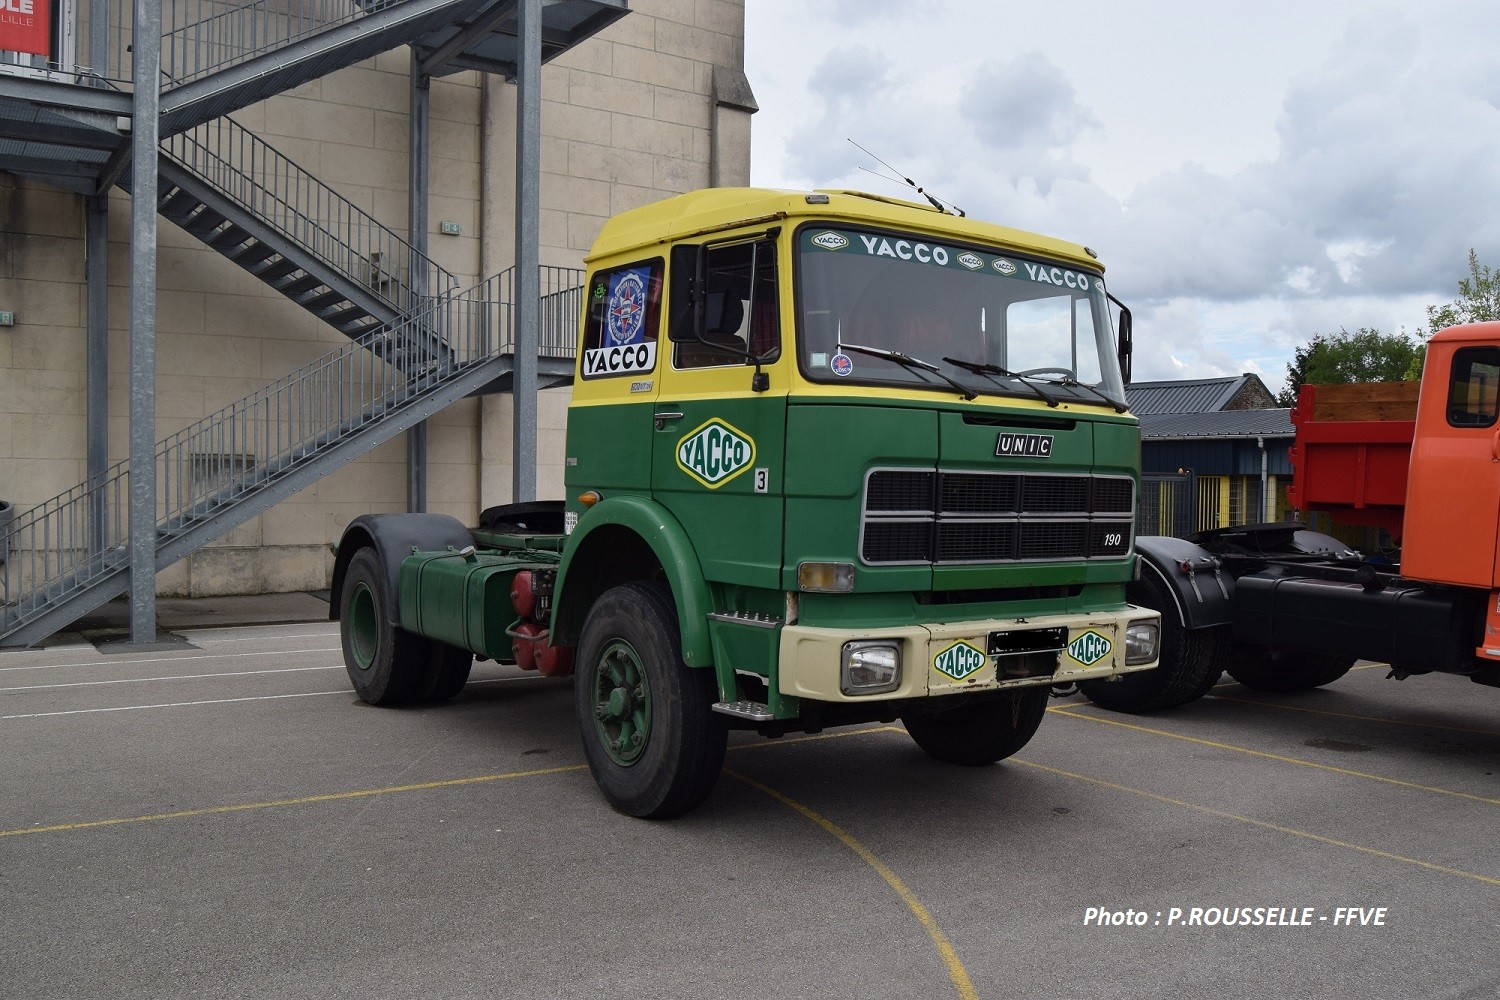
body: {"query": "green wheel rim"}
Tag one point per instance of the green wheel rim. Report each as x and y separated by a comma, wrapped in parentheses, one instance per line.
(364, 627)
(622, 703)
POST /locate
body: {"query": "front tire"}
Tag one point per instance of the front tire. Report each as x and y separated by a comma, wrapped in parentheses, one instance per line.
(977, 731)
(651, 738)
(1192, 660)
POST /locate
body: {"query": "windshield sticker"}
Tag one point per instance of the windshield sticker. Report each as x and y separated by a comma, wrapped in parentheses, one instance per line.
(619, 360)
(626, 321)
(841, 365)
(715, 452)
(937, 255)
(819, 359)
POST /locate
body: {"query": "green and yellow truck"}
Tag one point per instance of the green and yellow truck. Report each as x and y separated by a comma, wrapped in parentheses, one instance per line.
(832, 458)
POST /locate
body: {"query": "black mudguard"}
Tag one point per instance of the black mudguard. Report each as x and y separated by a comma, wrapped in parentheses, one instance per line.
(394, 537)
(1202, 590)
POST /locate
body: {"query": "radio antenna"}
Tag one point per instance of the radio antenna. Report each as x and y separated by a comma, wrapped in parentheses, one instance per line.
(899, 178)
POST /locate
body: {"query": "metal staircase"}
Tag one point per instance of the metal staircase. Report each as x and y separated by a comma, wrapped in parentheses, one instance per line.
(66, 557)
(245, 200)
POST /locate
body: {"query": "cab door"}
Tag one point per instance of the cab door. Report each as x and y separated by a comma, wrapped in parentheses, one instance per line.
(718, 448)
(1453, 488)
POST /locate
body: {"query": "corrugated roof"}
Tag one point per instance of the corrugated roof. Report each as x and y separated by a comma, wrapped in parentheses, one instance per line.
(1199, 395)
(1222, 425)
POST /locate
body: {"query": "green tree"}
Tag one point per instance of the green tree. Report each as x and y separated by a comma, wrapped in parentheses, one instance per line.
(1365, 355)
(1478, 299)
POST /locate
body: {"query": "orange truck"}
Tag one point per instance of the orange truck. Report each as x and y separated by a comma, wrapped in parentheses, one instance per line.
(1281, 608)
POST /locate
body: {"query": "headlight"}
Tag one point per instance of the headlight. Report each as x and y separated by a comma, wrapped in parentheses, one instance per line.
(870, 667)
(1142, 640)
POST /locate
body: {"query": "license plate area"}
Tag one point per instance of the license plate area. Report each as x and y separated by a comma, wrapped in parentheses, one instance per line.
(1030, 640)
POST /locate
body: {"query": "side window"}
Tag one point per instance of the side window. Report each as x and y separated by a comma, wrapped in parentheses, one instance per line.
(1474, 387)
(741, 310)
(624, 320)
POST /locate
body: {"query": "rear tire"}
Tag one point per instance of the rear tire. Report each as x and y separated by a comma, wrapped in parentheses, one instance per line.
(1192, 660)
(386, 664)
(651, 737)
(1253, 667)
(977, 731)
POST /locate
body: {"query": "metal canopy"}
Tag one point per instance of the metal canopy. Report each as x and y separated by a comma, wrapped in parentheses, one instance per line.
(490, 41)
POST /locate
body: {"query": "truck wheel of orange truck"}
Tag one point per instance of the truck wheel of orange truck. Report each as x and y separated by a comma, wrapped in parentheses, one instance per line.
(386, 664)
(1192, 660)
(1256, 669)
(652, 739)
(977, 731)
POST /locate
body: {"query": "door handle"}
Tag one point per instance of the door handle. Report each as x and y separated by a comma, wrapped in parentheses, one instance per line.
(663, 418)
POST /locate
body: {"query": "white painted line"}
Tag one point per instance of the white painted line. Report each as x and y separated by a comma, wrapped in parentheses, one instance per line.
(179, 677)
(114, 661)
(231, 701)
(325, 634)
(171, 704)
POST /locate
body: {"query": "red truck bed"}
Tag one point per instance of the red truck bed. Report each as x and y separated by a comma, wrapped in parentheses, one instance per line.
(1352, 450)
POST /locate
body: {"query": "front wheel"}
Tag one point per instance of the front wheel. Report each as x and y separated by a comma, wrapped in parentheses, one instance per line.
(977, 731)
(652, 740)
(386, 664)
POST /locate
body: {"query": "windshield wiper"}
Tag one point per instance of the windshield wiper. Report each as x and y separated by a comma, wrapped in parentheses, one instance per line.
(1069, 382)
(910, 364)
(985, 368)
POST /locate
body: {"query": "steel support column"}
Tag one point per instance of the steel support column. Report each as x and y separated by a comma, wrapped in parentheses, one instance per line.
(96, 276)
(146, 70)
(528, 284)
(420, 111)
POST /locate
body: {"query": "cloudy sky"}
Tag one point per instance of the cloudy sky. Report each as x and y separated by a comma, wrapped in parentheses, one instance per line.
(1251, 175)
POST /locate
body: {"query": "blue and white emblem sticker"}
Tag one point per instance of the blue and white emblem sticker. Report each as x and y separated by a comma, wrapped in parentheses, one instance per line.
(625, 320)
(841, 365)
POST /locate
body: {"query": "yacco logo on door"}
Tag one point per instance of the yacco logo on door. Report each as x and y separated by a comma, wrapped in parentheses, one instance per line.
(959, 660)
(1089, 648)
(714, 453)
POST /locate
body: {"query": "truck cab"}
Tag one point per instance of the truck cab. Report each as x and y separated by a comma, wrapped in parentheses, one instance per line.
(832, 458)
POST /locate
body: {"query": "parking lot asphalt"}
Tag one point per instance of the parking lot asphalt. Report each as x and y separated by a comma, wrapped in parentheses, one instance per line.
(225, 819)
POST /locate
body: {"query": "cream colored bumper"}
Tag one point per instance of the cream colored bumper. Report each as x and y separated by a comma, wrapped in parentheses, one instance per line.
(952, 658)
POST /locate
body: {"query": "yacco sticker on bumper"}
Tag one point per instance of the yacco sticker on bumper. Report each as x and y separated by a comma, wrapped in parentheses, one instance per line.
(959, 660)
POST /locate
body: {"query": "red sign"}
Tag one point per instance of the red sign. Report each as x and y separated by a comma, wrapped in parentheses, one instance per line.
(25, 26)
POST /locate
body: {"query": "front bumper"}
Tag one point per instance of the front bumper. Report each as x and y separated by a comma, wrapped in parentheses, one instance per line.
(809, 657)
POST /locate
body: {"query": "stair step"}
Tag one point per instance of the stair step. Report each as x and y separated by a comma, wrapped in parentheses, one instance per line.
(230, 238)
(322, 300)
(347, 316)
(276, 270)
(204, 223)
(252, 254)
(177, 205)
(298, 286)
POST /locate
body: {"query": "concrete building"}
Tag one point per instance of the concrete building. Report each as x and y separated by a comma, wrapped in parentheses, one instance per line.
(653, 104)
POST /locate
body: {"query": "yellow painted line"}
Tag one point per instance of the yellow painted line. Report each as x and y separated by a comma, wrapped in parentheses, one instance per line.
(302, 801)
(1290, 831)
(1351, 715)
(956, 971)
(365, 793)
(1278, 757)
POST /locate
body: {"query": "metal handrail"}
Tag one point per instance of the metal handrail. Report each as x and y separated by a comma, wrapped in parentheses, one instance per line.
(241, 31)
(277, 191)
(61, 546)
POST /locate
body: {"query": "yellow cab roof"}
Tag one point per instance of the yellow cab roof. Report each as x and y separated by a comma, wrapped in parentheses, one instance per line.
(717, 208)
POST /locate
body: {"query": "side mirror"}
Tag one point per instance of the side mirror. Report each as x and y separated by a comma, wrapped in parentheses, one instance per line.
(1123, 339)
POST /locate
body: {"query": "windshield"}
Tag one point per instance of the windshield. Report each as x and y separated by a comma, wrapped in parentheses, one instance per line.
(993, 316)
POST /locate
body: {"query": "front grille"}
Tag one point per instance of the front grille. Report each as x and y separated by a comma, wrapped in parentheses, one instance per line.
(914, 516)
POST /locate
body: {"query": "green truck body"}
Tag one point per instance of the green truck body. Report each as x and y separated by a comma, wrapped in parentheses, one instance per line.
(831, 458)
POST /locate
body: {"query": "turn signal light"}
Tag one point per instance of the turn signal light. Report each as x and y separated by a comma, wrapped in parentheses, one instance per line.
(825, 577)
(590, 498)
